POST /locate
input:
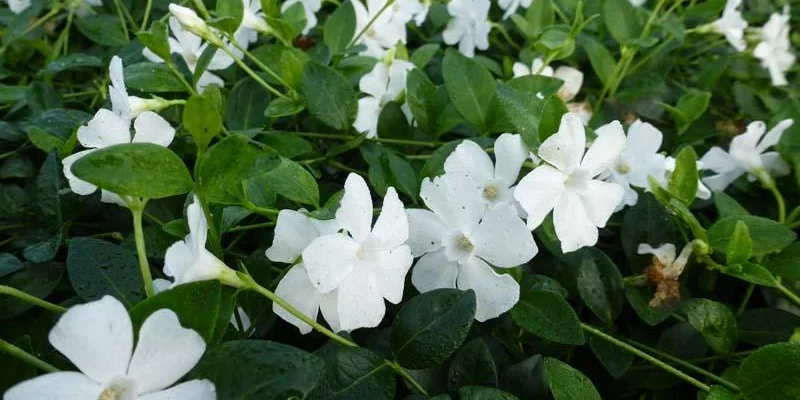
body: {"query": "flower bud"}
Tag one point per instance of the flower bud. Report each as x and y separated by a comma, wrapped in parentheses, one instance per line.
(190, 21)
(140, 105)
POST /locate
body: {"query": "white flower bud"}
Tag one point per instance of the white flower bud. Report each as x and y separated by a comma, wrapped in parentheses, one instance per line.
(190, 21)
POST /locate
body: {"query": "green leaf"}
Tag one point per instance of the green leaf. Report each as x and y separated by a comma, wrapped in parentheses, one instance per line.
(204, 307)
(152, 78)
(622, 20)
(639, 299)
(43, 251)
(15, 369)
(751, 272)
(768, 236)
(540, 15)
(97, 268)
(156, 39)
(230, 13)
(434, 166)
(548, 316)
(290, 180)
(72, 62)
(340, 28)
(646, 222)
(470, 86)
(355, 373)
(715, 321)
(49, 183)
(567, 383)
(615, 360)
(102, 29)
(601, 59)
(329, 96)
(727, 206)
(202, 119)
(483, 393)
(786, 264)
(136, 169)
(259, 369)
(525, 378)
(246, 105)
(523, 110)
(683, 181)
(431, 326)
(740, 247)
(423, 55)
(552, 111)
(404, 178)
(37, 280)
(689, 108)
(429, 104)
(600, 286)
(9, 264)
(718, 392)
(762, 326)
(228, 163)
(771, 373)
(283, 108)
(43, 140)
(473, 364)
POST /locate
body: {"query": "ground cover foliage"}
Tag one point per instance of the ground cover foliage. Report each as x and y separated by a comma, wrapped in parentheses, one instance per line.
(463, 199)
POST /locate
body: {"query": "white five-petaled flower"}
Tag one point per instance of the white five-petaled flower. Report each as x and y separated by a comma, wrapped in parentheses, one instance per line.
(460, 237)
(388, 28)
(747, 154)
(310, 7)
(469, 25)
(293, 233)
(732, 25)
(365, 264)
(18, 6)
(495, 182)
(775, 50)
(98, 338)
(386, 82)
(580, 203)
(188, 260)
(110, 127)
(639, 160)
(510, 6)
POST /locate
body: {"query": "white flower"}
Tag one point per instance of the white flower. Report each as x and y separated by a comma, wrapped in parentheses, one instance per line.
(293, 233)
(775, 50)
(703, 192)
(190, 21)
(580, 203)
(469, 26)
(110, 127)
(536, 68)
(386, 82)
(188, 260)
(747, 154)
(639, 160)
(637, 3)
(364, 265)
(190, 47)
(310, 7)
(388, 29)
(732, 25)
(495, 182)
(510, 6)
(460, 238)
(253, 17)
(18, 6)
(414, 8)
(672, 266)
(98, 338)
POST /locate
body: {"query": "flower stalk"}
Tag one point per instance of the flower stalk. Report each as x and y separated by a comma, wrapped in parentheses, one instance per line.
(14, 292)
(23, 355)
(137, 208)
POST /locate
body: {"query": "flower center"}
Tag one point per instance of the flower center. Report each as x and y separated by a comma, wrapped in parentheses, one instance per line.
(108, 394)
(490, 192)
(118, 389)
(464, 243)
(578, 180)
(623, 168)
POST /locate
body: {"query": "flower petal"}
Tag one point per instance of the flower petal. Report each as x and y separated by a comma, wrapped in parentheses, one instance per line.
(208, 79)
(665, 253)
(565, 148)
(329, 305)
(198, 226)
(573, 80)
(502, 238)
(434, 271)
(55, 386)
(375, 82)
(718, 160)
(149, 127)
(573, 226)
(104, 129)
(391, 227)
(389, 269)
(494, 292)
(425, 231)
(721, 181)
(355, 209)
(471, 160)
(643, 138)
(97, 337)
(774, 135)
(360, 304)
(369, 111)
(166, 352)
(774, 163)
(293, 233)
(600, 201)
(538, 192)
(329, 260)
(77, 185)
(178, 259)
(198, 389)
(455, 199)
(510, 153)
(605, 150)
(297, 290)
(117, 91)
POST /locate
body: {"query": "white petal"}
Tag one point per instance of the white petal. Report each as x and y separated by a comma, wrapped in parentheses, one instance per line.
(149, 127)
(434, 271)
(502, 238)
(600, 201)
(721, 181)
(192, 390)
(520, 69)
(718, 160)
(166, 351)
(674, 270)
(425, 231)
(470, 159)
(161, 285)
(178, 260)
(510, 153)
(538, 192)
(774, 164)
(398, 72)
(455, 199)
(198, 226)
(77, 185)
(55, 386)
(665, 253)
(360, 304)
(605, 150)
(374, 83)
(369, 111)
(208, 79)
(573, 80)
(329, 259)
(355, 209)
(293, 233)
(565, 148)
(113, 198)
(774, 135)
(495, 293)
(329, 305)
(643, 138)
(391, 227)
(104, 129)
(297, 290)
(97, 337)
(573, 226)
(388, 269)
(189, 42)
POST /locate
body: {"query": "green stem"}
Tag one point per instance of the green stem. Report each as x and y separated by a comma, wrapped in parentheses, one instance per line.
(334, 136)
(505, 34)
(647, 357)
(13, 292)
(180, 77)
(779, 200)
(121, 18)
(408, 378)
(251, 284)
(253, 226)
(23, 355)
(136, 210)
(147, 9)
(788, 293)
(746, 300)
(252, 73)
(793, 215)
(258, 62)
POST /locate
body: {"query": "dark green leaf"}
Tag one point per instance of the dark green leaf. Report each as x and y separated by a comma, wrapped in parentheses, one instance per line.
(330, 97)
(72, 62)
(155, 39)
(355, 373)
(230, 13)
(423, 55)
(228, 163)
(600, 286)
(567, 383)
(37, 280)
(202, 119)
(473, 364)
(786, 264)
(683, 181)
(483, 393)
(768, 236)
(549, 316)
(772, 373)
(152, 78)
(246, 105)
(292, 181)
(102, 29)
(43, 251)
(340, 28)
(622, 20)
(615, 359)
(762, 326)
(470, 86)
(715, 321)
(97, 268)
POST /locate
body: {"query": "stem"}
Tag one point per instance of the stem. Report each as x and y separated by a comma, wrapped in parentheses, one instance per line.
(121, 18)
(408, 378)
(136, 210)
(14, 292)
(627, 347)
(376, 140)
(778, 199)
(251, 284)
(146, 14)
(747, 295)
(253, 226)
(23, 355)
(258, 62)
(252, 74)
(793, 215)
(180, 77)
(788, 293)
